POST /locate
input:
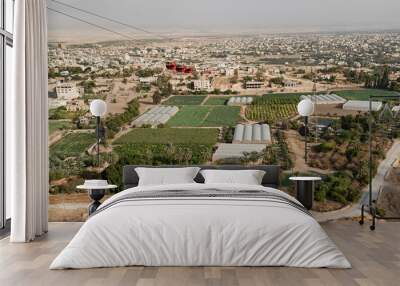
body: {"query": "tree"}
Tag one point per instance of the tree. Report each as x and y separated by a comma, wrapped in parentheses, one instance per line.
(277, 80)
(88, 86)
(195, 75)
(352, 151)
(157, 97)
(235, 78)
(385, 78)
(260, 74)
(164, 86)
(337, 187)
(216, 91)
(148, 72)
(379, 79)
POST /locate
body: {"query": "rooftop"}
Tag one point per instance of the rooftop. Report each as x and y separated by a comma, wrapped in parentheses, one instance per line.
(252, 134)
(228, 151)
(361, 105)
(325, 98)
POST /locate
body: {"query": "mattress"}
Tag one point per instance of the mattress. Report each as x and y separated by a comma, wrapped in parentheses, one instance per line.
(201, 225)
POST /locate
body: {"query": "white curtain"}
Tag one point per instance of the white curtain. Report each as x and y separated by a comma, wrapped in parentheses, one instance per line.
(26, 124)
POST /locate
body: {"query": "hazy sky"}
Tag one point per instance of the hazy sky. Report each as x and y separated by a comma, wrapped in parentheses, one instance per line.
(208, 16)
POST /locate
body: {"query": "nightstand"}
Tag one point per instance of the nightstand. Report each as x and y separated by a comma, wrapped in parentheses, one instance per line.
(305, 187)
(96, 193)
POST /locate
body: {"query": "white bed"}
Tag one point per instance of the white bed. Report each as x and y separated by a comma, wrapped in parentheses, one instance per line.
(200, 231)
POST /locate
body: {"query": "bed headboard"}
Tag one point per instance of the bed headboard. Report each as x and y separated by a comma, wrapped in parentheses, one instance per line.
(130, 178)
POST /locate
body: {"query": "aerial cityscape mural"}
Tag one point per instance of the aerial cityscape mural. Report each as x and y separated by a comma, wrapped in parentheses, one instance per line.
(223, 97)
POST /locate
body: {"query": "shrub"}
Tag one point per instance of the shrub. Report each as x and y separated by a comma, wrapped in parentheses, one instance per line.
(352, 152)
(114, 123)
(338, 187)
(156, 154)
(325, 147)
(320, 195)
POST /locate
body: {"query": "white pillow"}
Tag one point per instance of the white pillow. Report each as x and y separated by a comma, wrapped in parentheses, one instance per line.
(246, 177)
(166, 176)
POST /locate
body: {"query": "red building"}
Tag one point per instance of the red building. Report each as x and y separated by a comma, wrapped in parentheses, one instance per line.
(171, 66)
(189, 70)
(179, 68)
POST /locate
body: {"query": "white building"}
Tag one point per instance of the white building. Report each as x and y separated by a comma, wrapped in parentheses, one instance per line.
(64, 73)
(67, 91)
(229, 72)
(254, 84)
(396, 109)
(148, 80)
(201, 84)
(289, 83)
(362, 105)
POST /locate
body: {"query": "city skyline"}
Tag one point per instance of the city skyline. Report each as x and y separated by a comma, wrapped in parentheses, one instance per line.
(177, 18)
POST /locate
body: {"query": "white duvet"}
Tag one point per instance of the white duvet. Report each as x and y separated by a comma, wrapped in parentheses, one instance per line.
(200, 232)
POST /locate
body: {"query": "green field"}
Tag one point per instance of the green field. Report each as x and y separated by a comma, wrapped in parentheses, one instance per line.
(190, 116)
(363, 94)
(223, 116)
(72, 145)
(62, 113)
(278, 98)
(273, 107)
(185, 100)
(217, 100)
(205, 116)
(55, 125)
(170, 135)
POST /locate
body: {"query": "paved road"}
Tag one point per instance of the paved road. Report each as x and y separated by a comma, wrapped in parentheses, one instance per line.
(379, 181)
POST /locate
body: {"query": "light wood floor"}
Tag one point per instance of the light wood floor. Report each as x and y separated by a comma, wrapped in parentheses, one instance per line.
(375, 257)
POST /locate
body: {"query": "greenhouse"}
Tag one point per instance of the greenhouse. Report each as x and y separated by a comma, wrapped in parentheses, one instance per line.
(156, 116)
(240, 100)
(325, 98)
(252, 134)
(362, 105)
(227, 151)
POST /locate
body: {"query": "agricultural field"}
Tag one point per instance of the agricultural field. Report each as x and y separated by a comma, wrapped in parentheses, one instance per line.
(273, 107)
(223, 116)
(170, 135)
(363, 94)
(72, 145)
(55, 125)
(184, 100)
(217, 100)
(62, 113)
(189, 116)
(205, 116)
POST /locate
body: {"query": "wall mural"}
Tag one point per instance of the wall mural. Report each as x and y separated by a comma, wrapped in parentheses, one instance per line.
(221, 99)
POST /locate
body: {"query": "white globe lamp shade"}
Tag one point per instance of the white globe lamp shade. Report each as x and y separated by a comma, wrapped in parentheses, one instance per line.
(98, 107)
(305, 107)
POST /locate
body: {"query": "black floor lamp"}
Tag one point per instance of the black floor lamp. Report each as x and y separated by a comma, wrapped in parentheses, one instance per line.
(305, 109)
(98, 108)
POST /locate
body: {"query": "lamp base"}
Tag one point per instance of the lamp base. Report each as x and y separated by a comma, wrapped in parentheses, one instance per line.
(96, 196)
